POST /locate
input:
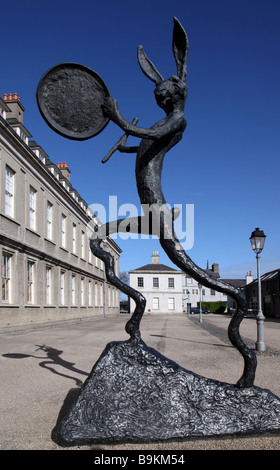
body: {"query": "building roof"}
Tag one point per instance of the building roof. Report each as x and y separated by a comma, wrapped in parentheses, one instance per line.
(15, 122)
(235, 282)
(268, 276)
(212, 273)
(155, 268)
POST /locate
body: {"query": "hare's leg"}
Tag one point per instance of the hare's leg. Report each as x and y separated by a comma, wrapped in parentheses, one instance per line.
(177, 255)
(133, 225)
(132, 326)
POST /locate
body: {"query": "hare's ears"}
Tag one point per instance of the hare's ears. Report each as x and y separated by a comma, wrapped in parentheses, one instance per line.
(180, 45)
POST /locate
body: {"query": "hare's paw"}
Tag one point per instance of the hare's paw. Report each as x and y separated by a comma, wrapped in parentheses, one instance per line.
(110, 108)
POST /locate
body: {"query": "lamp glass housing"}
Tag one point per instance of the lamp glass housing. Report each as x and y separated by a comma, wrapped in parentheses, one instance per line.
(257, 240)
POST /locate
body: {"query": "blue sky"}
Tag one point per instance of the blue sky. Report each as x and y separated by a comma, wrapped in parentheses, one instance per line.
(227, 164)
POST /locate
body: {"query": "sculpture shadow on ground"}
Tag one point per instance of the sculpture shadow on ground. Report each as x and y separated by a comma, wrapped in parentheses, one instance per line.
(50, 361)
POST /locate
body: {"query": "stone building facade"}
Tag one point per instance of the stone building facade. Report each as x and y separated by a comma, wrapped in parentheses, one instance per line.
(48, 272)
(270, 294)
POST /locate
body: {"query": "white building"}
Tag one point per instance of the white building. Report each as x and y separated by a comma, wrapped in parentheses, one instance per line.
(193, 292)
(168, 290)
(160, 285)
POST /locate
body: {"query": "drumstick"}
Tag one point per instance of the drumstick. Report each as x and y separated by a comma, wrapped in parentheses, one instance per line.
(120, 142)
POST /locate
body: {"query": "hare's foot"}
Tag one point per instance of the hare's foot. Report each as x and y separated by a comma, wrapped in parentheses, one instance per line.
(133, 325)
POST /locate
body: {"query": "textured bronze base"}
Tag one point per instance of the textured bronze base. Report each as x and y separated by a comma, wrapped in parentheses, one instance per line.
(134, 394)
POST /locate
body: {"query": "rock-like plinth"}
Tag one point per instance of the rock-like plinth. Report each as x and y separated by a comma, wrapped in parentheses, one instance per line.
(134, 394)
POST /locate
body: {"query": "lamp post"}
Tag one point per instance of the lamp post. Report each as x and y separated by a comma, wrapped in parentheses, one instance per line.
(200, 310)
(257, 240)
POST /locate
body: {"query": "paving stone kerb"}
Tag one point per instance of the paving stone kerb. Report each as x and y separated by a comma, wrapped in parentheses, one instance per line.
(40, 367)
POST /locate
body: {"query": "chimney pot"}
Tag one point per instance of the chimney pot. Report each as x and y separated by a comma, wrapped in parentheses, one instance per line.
(10, 96)
(64, 169)
(5, 96)
(155, 257)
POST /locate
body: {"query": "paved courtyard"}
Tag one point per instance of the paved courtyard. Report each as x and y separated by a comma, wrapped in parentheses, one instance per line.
(40, 367)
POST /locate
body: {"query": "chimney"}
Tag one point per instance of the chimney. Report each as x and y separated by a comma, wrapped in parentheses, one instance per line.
(15, 106)
(155, 257)
(249, 277)
(63, 167)
(215, 267)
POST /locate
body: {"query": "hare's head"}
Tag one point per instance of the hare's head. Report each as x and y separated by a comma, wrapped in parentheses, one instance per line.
(171, 93)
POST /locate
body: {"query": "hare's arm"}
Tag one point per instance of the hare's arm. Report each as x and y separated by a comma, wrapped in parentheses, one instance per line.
(124, 149)
(111, 109)
(165, 127)
(173, 123)
(131, 129)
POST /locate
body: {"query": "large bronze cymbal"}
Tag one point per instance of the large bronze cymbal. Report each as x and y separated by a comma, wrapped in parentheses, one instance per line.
(70, 98)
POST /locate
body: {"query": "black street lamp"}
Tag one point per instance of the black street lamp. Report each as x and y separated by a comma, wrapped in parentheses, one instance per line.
(257, 240)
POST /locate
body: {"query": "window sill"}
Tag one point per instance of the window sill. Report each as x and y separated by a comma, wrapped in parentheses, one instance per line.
(49, 240)
(7, 305)
(31, 230)
(9, 217)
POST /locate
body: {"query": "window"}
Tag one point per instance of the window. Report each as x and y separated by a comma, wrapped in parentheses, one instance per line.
(30, 281)
(63, 230)
(6, 277)
(109, 296)
(195, 291)
(101, 294)
(83, 245)
(48, 285)
(171, 303)
(82, 291)
(89, 255)
(9, 192)
(89, 293)
(156, 303)
(62, 287)
(32, 208)
(171, 282)
(95, 295)
(73, 289)
(155, 282)
(49, 220)
(140, 282)
(212, 292)
(74, 238)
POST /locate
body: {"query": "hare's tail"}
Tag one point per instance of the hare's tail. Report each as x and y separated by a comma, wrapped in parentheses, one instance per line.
(177, 255)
